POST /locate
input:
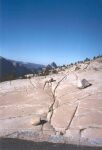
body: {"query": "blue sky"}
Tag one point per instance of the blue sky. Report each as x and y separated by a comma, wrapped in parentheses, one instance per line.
(42, 31)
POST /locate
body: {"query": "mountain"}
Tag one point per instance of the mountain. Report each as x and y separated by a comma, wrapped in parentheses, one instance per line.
(51, 66)
(33, 67)
(10, 69)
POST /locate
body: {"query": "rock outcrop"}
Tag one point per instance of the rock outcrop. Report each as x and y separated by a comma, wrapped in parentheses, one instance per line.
(61, 112)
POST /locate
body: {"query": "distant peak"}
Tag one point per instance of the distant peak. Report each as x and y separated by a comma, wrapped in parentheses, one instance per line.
(53, 64)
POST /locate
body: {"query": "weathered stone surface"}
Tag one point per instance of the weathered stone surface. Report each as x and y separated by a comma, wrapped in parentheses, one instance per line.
(28, 134)
(93, 136)
(73, 115)
(73, 135)
(11, 125)
(62, 117)
(56, 139)
(48, 129)
(18, 105)
(89, 120)
(93, 102)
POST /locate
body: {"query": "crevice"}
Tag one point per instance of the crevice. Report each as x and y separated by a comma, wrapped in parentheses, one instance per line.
(60, 82)
(51, 108)
(72, 117)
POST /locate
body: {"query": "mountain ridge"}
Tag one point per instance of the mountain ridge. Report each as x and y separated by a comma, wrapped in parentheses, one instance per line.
(11, 69)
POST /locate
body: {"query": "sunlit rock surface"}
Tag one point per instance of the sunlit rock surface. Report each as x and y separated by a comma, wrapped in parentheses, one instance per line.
(75, 115)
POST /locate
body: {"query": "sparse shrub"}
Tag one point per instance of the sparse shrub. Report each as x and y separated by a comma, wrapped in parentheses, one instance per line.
(63, 66)
(87, 59)
(46, 72)
(94, 58)
(24, 77)
(71, 64)
(55, 71)
(8, 77)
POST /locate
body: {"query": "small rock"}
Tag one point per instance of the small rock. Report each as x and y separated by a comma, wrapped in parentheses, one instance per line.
(81, 84)
(36, 120)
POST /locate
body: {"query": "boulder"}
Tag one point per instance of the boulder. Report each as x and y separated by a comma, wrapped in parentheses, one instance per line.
(36, 120)
(83, 83)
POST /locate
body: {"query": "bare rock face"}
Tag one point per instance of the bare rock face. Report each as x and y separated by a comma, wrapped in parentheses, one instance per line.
(36, 120)
(28, 111)
(81, 84)
(62, 117)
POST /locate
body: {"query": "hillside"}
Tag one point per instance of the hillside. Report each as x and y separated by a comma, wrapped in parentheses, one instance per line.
(10, 70)
(66, 110)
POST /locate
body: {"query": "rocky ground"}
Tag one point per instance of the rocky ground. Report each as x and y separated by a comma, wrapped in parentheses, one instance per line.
(60, 112)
